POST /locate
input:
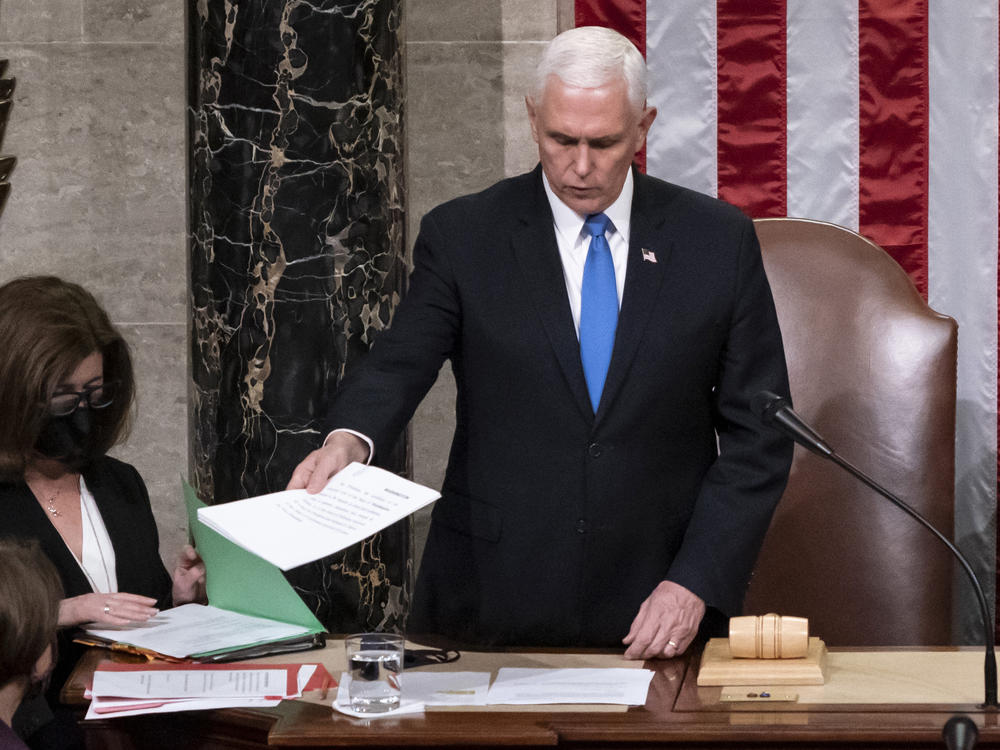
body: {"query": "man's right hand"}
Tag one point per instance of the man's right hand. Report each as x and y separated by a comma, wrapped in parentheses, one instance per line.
(340, 449)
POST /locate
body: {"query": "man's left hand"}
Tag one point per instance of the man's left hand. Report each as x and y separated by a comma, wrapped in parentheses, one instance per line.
(666, 624)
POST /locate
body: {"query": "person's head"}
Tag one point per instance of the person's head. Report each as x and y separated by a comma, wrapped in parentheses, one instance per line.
(30, 591)
(588, 115)
(57, 341)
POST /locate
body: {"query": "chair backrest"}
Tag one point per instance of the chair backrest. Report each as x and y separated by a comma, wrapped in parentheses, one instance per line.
(873, 369)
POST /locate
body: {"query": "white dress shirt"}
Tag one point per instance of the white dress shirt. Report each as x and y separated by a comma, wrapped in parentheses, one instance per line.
(574, 242)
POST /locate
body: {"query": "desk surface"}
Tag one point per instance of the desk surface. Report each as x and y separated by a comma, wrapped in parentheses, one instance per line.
(677, 713)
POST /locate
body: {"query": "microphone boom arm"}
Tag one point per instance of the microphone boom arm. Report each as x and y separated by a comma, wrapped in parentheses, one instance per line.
(990, 665)
(775, 411)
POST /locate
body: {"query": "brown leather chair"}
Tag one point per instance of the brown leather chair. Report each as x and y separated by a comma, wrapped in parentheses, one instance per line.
(872, 368)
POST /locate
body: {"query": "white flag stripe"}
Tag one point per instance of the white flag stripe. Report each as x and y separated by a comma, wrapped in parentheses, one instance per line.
(962, 255)
(681, 57)
(822, 92)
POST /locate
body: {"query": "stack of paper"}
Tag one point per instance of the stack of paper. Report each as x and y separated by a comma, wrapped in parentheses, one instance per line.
(617, 685)
(130, 689)
(513, 686)
(193, 630)
(196, 630)
(251, 604)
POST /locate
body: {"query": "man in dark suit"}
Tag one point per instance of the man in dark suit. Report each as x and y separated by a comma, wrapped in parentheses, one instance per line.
(607, 331)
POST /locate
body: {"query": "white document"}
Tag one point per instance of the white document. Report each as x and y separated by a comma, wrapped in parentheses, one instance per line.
(132, 692)
(446, 688)
(292, 528)
(104, 708)
(192, 683)
(198, 629)
(624, 686)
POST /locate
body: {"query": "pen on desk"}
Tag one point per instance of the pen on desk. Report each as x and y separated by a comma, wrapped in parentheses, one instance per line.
(324, 687)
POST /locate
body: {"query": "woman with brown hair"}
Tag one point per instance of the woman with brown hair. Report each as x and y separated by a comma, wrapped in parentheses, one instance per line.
(66, 394)
(29, 609)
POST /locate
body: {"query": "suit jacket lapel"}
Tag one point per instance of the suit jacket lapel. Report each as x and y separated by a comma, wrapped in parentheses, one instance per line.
(534, 246)
(643, 279)
(24, 506)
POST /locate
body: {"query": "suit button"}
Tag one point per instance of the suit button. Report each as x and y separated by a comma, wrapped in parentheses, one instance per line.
(595, 450)
(581, 527)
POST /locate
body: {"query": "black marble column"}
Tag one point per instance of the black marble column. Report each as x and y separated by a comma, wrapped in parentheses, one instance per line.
(296, 254)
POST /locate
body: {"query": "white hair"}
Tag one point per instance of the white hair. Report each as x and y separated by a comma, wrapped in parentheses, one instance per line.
(593, 56)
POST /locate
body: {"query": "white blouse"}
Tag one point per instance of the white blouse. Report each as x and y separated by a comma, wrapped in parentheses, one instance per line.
(98, 562)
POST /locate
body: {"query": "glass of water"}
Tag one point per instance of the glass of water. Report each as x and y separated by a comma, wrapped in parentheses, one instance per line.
(375, 663)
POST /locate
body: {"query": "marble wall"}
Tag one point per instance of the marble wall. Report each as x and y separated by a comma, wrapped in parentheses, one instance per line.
(99, 191)
(97, 127)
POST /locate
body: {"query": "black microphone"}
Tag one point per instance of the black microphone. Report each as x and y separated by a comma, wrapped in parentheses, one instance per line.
(960, 733)
(776, 412)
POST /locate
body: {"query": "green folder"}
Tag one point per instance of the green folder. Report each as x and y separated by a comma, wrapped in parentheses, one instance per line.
(240, 581)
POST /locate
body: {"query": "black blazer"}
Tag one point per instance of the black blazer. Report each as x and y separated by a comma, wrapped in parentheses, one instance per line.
(555, 523)
(124, 505)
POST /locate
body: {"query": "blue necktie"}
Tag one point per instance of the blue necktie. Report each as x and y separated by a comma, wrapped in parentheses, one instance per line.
(598, 308)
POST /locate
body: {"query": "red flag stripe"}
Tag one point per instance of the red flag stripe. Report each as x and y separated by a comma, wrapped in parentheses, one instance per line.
(627, 17)
(752, 107)
(894, 121)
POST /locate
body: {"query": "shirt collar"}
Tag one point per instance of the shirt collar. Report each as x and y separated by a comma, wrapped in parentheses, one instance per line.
(570, 224)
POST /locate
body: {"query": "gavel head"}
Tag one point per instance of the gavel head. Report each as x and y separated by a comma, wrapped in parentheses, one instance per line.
(768, 636)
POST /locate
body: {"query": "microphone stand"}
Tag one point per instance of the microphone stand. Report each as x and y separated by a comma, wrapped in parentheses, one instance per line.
(775, 411)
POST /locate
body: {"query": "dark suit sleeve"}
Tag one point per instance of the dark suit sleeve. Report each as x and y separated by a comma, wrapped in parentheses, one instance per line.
(742, 487)
(378, 397)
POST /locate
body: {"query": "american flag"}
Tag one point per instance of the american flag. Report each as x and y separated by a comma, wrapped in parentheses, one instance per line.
(878, 115)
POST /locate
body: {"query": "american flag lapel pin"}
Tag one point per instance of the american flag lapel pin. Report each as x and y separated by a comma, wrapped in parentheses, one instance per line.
(648, 255)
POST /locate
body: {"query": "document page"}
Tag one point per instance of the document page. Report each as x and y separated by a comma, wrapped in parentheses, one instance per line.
(516, 685)
(292, 528)
(446, 688)
(192, 683)
(193, 629)
(133, 689)
(112, 708)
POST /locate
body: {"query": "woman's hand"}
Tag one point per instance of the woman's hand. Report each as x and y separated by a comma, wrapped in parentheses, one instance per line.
(189, 577)
(106, 609)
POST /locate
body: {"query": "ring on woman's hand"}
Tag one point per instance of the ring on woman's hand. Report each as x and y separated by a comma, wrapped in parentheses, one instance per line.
(671, 643)
(107, 609)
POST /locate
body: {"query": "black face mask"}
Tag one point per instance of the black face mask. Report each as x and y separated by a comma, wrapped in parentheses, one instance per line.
(69, 439)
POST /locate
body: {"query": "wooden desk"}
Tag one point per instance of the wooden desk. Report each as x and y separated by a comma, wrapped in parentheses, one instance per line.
(677, 714)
